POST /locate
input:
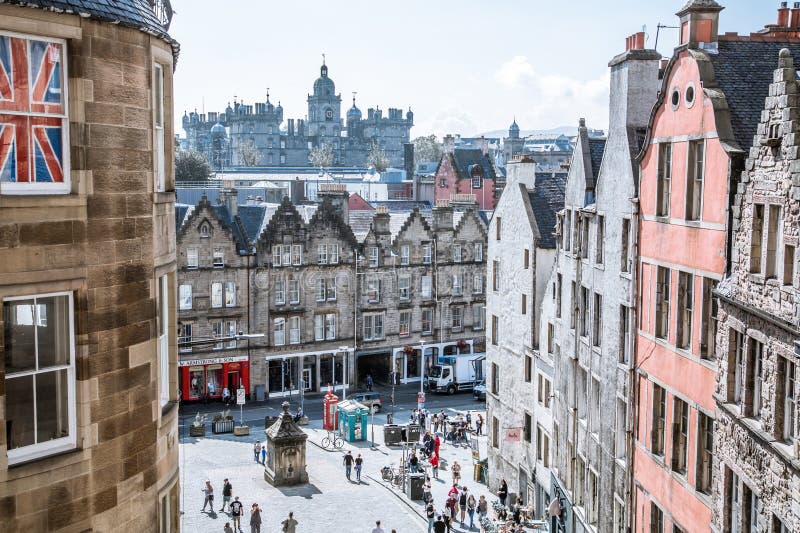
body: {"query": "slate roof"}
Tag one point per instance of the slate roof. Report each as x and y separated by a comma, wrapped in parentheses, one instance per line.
(546, 200)
(743, 70)
(359, 222)
(402, 205)
(136, 14)
(226, 220)
(180, 214)
(596, 147)
(252, 219)
(464, 158)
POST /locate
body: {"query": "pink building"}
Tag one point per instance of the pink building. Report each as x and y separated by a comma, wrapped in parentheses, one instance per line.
(700, 132)
(467, 171)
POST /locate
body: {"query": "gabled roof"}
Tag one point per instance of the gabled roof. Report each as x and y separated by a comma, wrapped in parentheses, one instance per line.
(180, 215)
(596, 147)
(402, 205)
(219, 212)
(251, 220)
(744, 71)
(357, 203)
(464, 158)
(285, 218)
(225, 218)
(360, 222)
(327, 216)
(546, 200)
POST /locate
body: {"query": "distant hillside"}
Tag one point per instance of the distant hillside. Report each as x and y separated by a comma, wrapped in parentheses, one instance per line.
(566, 130)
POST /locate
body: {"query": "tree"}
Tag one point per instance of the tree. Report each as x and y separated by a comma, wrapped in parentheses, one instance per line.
(248, 153)
(321, 156)
(377, 158)
(426, 149)
(191, 166)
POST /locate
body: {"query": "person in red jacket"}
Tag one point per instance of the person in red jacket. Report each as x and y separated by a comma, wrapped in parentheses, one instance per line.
(434, 462)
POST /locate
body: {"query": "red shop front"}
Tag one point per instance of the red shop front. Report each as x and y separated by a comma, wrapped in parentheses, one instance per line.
(201, 377)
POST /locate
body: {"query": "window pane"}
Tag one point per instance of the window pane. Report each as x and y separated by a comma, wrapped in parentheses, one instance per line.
(51, 405)
(53, 331)
(19, 412)
(20, 336)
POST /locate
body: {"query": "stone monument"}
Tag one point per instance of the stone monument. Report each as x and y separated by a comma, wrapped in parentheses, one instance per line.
(286, 452)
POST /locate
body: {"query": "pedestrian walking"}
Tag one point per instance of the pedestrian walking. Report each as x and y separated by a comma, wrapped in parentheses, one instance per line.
(439, 526)
(456, 470)
(256, 451)
(227, 528)
(483, 507)
(369, 382)
(236, 513)
(479, 424)
(502, 492)
(469, 420)
(426, 490)
(263, 455)
(227, 492)
(255, 519)
(430, 512)
(290, 524)
(378, 528)
(453, 492)
(348, 463)
(434, 462)
(359, 463)
(208, 492)
(471, 505)
(462, 504)
(413, 463)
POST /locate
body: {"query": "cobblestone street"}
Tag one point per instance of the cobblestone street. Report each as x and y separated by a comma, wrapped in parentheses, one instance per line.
(329, 502)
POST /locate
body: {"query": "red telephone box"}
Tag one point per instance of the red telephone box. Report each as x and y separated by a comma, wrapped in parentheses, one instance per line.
(330, 415)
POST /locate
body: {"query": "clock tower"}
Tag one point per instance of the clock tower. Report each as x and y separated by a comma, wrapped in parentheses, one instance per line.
(324, 111)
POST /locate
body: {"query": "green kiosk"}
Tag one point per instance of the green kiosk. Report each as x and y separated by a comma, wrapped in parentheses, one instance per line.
(352, 420)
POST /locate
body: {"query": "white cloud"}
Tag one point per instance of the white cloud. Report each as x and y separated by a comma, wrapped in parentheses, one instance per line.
(550, 100)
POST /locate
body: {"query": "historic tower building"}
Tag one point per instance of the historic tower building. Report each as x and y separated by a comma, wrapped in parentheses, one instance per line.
(88, 377)
(324, 107)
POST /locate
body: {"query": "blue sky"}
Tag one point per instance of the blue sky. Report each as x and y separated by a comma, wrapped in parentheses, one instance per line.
(462, 67)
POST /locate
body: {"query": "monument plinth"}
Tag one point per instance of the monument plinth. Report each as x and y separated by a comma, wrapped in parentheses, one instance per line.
(286, 451)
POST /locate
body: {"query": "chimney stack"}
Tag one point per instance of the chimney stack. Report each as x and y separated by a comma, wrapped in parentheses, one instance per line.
(338, 196)
(380, 221)
(635, 42)
(449, 144)
(794, 17)
(230, 198)
(783, 15)
(442, 216)
(484, 145)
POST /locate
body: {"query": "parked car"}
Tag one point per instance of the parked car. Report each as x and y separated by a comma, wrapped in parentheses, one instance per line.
(369, 399)
(479, 392)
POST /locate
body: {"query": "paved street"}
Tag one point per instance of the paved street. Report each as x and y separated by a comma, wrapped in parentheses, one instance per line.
(328, 502)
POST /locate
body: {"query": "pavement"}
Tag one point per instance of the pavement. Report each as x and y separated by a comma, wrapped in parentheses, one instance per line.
(328, 503)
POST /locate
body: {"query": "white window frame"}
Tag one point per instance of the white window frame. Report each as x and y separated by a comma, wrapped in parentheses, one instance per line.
(457, 255)
(217, 331)
(279, 332)
(478, 317)
(218, 258)
(429, 329)
(230, 326)
(276, 255)
(373, 290)
(426, 253)
(477, 283)
(405, 324)
(330, 326)
(32, 188)
(43, 449)
(294, 291)
(217, 298)
(457, 318)
(457, 285)
(333, 254)
(374, 257)
(295, 336)
(192, 258)
(330, 289)
(321, 290)
(405, 255)
(187, 329)
(427, 287)
(286, 254)
(478, 252)
(280, 292)
(373, 326)
(297, 254)
(322, 254)
(159, 167)
(230, 294)
(185, 297)
(319, 327)
(404, 287)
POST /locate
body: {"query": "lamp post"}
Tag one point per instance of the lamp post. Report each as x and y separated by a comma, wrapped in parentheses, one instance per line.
(346, 350)
(421, 400)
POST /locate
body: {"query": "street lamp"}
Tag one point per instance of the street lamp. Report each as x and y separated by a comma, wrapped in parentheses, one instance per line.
(421, 399)
(346, 350)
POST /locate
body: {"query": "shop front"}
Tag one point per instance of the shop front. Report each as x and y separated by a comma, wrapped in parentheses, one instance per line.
(206, 378)
(407, 360)
(293, 374)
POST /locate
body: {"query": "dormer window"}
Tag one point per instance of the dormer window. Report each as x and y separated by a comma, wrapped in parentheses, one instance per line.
(205, 231)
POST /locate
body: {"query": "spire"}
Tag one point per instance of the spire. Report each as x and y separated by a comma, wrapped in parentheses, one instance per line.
(267, 94)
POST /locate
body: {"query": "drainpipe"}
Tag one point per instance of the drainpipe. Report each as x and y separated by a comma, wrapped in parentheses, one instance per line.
(576, 350)
(633, 382)
(355, 308)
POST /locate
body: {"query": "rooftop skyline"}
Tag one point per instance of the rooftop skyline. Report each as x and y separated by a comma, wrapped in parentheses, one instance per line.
(466, 70)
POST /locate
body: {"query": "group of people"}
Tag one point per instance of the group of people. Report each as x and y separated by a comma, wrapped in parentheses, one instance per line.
(351, 462)
(236, 510)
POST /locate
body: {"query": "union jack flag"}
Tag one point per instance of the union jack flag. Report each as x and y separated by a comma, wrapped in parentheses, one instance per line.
(31, 111)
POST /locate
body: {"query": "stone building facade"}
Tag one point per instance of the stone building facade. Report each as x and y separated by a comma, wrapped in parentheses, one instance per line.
(756, 477)
(588, 331)
(326, 302)
(88, 382)
(223, 136)
(468, 171)
(522, 249)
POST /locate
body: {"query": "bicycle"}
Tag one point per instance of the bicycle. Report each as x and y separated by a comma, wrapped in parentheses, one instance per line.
(332, 440)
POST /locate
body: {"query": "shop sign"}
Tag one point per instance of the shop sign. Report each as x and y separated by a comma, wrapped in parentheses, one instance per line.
(213, 360)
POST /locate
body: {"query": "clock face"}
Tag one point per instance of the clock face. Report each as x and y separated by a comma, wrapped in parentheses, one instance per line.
(328, 114)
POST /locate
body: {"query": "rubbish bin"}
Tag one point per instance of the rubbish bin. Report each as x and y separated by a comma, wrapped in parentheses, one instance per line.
(392, 435)
(476, 472)
(259, 393)
(414, 432)
(414, 486)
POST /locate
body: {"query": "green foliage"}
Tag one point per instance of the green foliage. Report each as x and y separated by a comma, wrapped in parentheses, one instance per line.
(426, 149)
(377, 158)
(321, 156)
(191, 166)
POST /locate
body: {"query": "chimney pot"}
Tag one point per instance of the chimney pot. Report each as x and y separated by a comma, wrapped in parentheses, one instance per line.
(638, 41)
(794, 17)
